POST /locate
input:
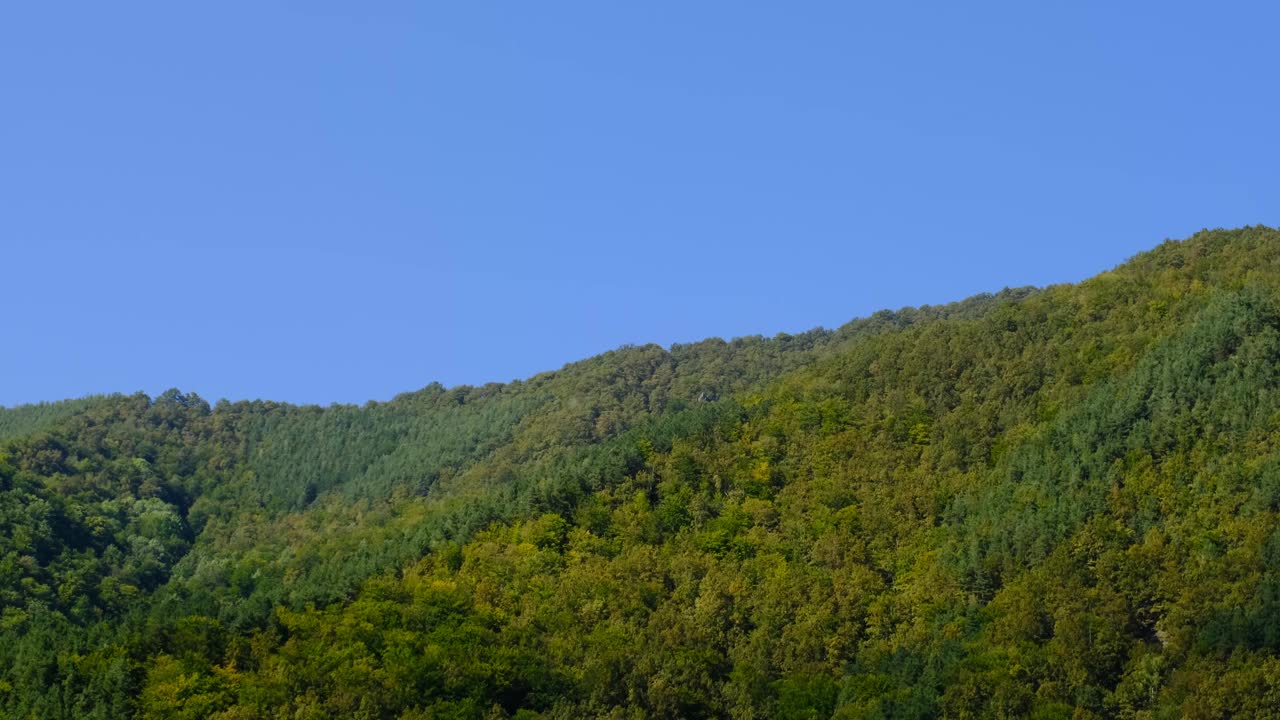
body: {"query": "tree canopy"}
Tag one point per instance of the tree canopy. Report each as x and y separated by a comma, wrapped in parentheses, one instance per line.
(1050, 503)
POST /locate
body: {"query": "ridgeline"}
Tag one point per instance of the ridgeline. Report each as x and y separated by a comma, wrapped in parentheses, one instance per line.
(1051, 503)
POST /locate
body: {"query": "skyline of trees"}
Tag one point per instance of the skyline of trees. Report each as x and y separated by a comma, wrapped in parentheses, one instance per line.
(1053, 503)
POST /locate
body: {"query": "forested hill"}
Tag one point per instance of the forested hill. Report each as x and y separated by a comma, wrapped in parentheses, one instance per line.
(1052, 503)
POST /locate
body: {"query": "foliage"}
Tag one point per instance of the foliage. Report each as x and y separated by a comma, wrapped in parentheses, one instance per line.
(1056, 503)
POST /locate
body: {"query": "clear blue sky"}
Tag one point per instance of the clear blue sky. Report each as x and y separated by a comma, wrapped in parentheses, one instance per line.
(322, 201)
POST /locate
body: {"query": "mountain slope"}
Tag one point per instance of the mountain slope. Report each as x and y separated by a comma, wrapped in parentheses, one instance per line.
(1051, 503)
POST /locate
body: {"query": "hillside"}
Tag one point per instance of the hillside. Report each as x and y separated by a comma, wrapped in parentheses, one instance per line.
(1052, 503)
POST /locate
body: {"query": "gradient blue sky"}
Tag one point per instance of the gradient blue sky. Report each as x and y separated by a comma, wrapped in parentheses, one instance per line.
(318, 202)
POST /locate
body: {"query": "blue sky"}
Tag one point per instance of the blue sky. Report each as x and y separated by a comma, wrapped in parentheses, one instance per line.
(321, 202)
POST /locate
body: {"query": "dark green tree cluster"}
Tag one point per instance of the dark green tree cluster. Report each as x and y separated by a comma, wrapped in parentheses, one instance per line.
(1056, 503)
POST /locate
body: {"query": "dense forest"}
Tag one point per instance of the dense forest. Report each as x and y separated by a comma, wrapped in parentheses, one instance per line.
(1047, 503)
